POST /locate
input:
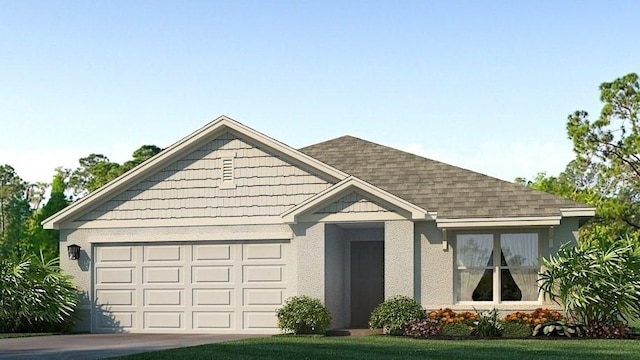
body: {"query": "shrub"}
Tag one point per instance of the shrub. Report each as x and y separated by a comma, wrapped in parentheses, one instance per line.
(422, 328)
(610, 331)
(559, 328)
(448, 316)
(303, 315)
(456, 329)
(487, 324)
(394, 313)
(537, 317)
(597, 282)
(35, 296)
(516, 330)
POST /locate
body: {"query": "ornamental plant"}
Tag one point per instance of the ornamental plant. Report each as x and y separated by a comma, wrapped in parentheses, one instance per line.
(448, 316)
(537, 317)
(487, 324)
(394, 313)
(35, 296)
(596, 283)
(303, 315)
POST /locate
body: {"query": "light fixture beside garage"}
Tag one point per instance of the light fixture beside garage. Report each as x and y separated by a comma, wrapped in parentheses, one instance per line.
(74, 252)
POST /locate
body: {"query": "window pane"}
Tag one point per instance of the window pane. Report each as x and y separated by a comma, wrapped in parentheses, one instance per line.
(475, 285)
(519, 284)
(474, 250)
(519, 249)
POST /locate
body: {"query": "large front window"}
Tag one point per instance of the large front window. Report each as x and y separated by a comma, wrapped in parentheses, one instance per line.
(497, 267)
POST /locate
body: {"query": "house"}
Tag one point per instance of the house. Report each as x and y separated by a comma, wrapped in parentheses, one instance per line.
(215, 232)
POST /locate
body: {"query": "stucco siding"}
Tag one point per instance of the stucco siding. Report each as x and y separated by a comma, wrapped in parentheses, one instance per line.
(265, 185)
(352, 203)
(310, 248)
(334, 273)
(398, 258)
(436, 276)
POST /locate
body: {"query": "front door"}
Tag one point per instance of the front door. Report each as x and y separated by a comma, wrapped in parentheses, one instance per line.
(367, 280)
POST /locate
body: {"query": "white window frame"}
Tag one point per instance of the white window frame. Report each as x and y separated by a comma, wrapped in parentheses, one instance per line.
(496, 268)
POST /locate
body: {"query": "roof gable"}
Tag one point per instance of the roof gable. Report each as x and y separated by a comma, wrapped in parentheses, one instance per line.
(384, 200)
(180, 149)
(450, 191)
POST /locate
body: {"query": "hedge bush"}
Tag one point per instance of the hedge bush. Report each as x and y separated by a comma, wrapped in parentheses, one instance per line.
(303, 315)
(458, 329)
(394, 313)
(516, 330)
(35, 296)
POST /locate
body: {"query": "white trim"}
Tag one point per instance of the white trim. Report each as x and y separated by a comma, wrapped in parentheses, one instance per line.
(146, 223)
(498, 222)
(225, 236)
(354, 184)
(173, 152)
(578, 212)
(351, 217)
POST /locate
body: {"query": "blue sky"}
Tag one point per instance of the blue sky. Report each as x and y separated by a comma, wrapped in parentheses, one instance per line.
(486, 85)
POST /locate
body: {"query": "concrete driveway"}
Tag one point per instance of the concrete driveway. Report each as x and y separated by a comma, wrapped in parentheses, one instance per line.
(99, 346)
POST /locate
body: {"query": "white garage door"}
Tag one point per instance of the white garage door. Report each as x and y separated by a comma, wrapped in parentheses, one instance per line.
(189, 287)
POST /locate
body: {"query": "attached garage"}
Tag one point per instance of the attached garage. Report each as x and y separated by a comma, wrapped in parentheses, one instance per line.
(198, 287)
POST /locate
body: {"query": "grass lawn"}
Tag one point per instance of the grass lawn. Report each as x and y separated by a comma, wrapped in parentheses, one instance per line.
(17, 335)
(387, 347)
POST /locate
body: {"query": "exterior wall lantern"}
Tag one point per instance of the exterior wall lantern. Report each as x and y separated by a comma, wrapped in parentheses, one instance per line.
(74, 252)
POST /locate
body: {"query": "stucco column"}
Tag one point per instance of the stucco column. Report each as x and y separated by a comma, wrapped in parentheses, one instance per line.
(398, 258)
(309, 239)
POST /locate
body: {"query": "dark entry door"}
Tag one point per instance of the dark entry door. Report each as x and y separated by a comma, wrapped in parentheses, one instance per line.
(367, 280)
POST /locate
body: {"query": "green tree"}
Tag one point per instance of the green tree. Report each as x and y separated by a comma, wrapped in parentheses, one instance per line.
(94, 171)
(97, 170)
(608, 149)
(46, 241)
(14, 213)
(141, 155)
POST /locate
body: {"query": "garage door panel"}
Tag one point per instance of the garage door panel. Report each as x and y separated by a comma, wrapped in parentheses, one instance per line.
(259, 320)
(162, 275)
(211, 274)
(211, 252)
(255, 273)
(115, 321)
(213, 297)
(231, 287)
(163, 297)
(115, 254)
(115, 275)
(162, 253)
(163, 320)
(262, 251)
(263, 297)
(115, 297)
(213, 320)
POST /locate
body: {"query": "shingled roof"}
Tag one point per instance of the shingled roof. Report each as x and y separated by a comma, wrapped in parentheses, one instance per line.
(451, 191)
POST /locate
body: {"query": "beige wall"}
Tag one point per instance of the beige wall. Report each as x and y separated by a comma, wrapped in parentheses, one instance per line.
(309, 243)
(334, 259)
(398, 258)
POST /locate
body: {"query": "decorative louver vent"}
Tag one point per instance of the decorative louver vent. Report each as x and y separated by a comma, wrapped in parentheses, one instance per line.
(227, 169)
(228, 180)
